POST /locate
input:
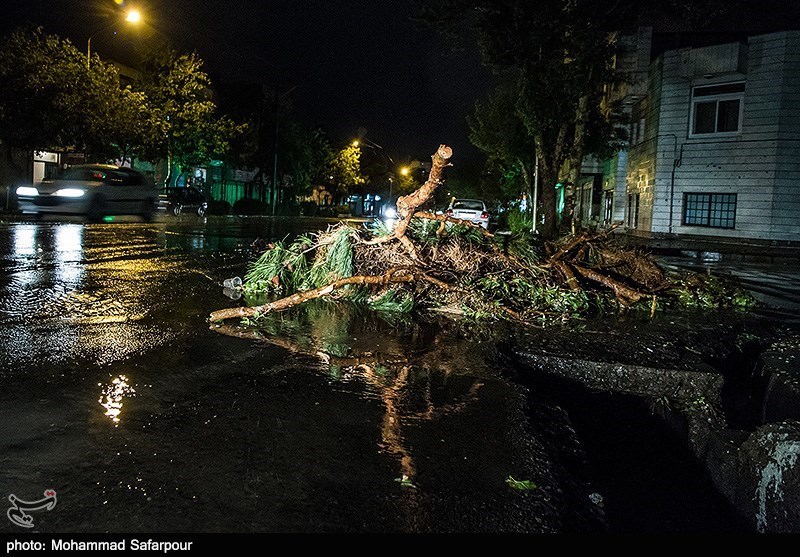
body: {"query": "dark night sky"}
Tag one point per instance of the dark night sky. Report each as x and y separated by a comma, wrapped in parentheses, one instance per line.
(355, 64)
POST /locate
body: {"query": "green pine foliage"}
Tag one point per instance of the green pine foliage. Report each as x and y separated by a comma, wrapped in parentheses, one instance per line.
(393, 300)
(333, 262)
(487, 278)
(286, 269)
(280, 269)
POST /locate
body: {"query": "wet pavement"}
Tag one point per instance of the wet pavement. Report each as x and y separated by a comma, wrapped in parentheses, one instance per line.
(775, 285)
(115, 392)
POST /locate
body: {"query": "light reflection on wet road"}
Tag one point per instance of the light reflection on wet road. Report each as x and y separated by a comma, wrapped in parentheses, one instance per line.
(114, 391)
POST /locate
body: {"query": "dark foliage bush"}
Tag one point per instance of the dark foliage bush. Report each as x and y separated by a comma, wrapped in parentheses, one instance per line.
(216, 207)
(309, 209)
(247, 206)
(291, 209)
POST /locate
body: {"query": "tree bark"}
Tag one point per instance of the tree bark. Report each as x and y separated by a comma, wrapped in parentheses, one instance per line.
(576, 155)
(547, 199)
(299, 297)
(445, 219)
(624, 294)
(407, 205)
(168, 177)
(550, 167)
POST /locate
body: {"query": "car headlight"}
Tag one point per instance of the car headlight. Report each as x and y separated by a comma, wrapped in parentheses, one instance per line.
(70, 192)
(27, 191)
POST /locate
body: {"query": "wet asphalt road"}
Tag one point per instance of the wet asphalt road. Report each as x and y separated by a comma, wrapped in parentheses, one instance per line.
(115, 393)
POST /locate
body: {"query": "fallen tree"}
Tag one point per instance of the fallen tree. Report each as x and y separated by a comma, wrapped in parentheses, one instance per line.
(436, 262)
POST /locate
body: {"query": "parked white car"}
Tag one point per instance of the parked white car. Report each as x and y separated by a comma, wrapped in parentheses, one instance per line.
(473, 210)
(94, 190)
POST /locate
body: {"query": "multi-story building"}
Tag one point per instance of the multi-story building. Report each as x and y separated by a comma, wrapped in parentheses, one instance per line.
(714, 144)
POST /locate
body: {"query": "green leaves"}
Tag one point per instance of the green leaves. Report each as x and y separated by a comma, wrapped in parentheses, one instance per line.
(286, 270)
(183, 123)
(279, 269)
(344, 169)
(50, 98)
(394, 300)
(46, 91)
(520, 485)
(405, 481)
(701, 291)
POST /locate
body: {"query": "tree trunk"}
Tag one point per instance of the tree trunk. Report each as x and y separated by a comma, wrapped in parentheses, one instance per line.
(576, 155)
(168, 177)
(532, 198)
(407, 205)
(577, 151)
(547, 199)
(299, 297)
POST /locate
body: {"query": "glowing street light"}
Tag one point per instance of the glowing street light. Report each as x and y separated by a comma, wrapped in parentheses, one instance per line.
(355, 143)
(404, 171)
(131, 16)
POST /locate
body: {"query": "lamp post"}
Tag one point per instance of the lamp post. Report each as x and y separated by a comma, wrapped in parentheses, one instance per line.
(131, 16)
(375, 146)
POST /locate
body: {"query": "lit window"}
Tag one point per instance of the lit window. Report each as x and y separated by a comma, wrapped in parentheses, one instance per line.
(717, 109)
(715, 210)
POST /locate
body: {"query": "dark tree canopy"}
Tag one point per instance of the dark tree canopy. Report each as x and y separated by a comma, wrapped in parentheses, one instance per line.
(45, 90)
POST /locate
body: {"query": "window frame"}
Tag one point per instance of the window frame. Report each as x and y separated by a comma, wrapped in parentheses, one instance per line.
(709, 196)
(633, 211)
(717, 98)
(608, 207)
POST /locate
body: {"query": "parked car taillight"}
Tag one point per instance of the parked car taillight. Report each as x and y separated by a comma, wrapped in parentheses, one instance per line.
(485, 215)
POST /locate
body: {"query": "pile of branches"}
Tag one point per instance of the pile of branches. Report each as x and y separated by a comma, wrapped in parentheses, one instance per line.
(439, 263)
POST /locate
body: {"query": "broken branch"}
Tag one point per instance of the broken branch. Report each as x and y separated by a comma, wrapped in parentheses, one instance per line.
(299, 297)
(408, 204)
(624, 294)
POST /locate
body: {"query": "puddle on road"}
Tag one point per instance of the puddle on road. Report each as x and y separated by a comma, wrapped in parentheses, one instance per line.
(398, 426)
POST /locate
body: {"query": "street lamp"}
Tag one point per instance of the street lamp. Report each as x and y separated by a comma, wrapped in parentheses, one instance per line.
(375, 146)
(131, 16)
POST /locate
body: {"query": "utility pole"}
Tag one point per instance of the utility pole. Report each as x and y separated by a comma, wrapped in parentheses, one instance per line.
(535, 195)
(275, 159)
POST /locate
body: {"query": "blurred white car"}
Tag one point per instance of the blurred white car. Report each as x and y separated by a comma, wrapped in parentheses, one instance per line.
(94, 190)
(473, 210)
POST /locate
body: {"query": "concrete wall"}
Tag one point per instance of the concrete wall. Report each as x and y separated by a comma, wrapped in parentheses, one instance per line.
(644, 153)
(760, 164)
(786, 193)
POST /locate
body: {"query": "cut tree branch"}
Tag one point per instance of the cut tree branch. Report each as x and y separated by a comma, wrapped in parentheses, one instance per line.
(407, 205)
(445, 219)
(625, 294)
(299, 297)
